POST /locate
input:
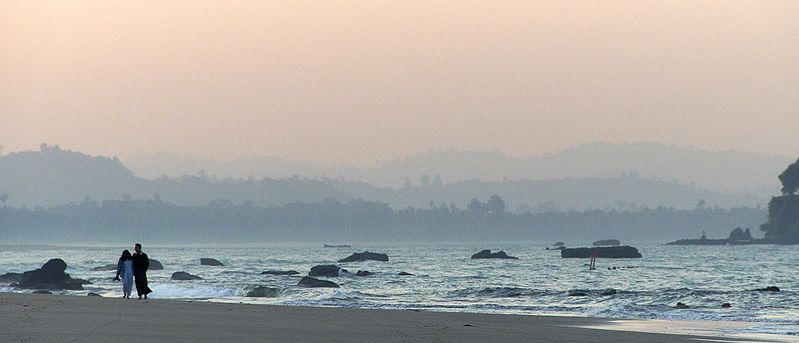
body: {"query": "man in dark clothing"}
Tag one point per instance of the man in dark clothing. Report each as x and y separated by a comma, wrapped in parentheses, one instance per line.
(140, 265)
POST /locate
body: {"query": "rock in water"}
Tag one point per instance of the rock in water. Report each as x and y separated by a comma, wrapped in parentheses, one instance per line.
(768, 289)
(264, 292)
(577, 293)
(364, 273)
(404, 274)
(726, 305)
(51, 276)
(603, 252)
(211, 262)
(92, 294)
(325, 270)
(609, 291)
(154, 265)
(281, 272)
(41, 291)
(107, 267)
(681, 306)
(488, 254)
(10, 277)
(365, 256)
(183, 276)
(607, 242)
(311, 282)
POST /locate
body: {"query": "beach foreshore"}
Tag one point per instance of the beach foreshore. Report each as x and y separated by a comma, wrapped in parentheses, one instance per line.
(61, 318)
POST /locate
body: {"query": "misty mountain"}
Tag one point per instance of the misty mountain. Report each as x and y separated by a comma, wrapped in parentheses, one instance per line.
(718, 171)
(54, 176)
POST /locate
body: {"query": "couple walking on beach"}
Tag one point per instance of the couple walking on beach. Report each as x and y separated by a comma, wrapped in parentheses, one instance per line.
(132, 267)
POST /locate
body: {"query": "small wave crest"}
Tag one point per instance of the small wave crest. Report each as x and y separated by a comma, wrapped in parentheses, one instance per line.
(193, 291)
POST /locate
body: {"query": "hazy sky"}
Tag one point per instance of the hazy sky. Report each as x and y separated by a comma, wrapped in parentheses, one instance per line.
(355, 82)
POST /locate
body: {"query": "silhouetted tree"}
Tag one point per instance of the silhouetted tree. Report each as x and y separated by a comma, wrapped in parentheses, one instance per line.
(790, 179)
(495, 204)
(476, 206)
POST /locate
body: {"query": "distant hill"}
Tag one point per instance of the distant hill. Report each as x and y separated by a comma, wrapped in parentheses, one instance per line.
(53, 176)
(718, 171)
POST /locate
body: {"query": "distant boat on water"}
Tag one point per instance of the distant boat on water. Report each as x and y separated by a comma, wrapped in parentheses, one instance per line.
(337, 245)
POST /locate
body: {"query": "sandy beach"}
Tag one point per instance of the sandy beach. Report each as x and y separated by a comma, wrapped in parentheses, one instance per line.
(56, 318)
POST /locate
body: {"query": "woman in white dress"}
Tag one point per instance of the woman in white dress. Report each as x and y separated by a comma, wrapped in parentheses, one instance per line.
(125, 269)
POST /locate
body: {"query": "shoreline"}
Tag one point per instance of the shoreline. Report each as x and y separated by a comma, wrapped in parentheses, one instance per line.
(67, 318)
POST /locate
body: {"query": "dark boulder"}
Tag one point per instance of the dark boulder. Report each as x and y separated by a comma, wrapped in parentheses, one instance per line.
(607, 242)
(603, 252)
(311, 282)
(488, 254)
(42, 291)
(211, 262)
(10, 277)
(50, 276)
(365, 256)
(364, 273)
(577, 293)
(681, 306)
(264, 292)
(92, 294)
(609, 291)
(183, 276)
(280, 272)
(404, 274)
(107, 267)
(726, 305)
(326, 270)
(154, 265)
(768, 289)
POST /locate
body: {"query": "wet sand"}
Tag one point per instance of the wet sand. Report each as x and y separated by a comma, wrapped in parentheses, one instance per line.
(58, 318)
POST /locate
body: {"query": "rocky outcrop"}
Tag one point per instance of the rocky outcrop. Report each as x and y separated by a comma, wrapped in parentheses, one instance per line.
(10, 277)
(326, 270)
(280, 272)
(768, 289)
(211, 262)
(602, 252)
(105, 268)
(50, 276)
(154, 265)
(607, 242)
(365, 256)
(264, 292)
(184, 276)
(311, 282)
(364, 273)
(488, 254)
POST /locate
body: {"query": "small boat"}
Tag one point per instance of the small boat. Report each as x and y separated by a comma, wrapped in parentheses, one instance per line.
(337, 246)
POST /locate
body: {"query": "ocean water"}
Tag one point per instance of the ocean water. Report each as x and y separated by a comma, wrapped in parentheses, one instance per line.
(446, 279)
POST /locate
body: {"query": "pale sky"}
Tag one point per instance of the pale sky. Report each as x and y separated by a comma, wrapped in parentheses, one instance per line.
(360, 81)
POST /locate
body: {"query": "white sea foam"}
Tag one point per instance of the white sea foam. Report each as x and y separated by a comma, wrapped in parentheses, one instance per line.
(193, 291)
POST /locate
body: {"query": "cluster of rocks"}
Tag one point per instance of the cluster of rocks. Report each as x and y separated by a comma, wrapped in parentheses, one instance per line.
(488, 254)
(50, 276)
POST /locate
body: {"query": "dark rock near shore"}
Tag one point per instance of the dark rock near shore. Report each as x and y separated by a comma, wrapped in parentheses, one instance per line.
(404, 274)
(364, 273)
(326, 270)
(42, 291)
(183, 276)
(577, 293)
(211, 262)
(154, 265)
(264, 292)
(92, 294)
(609, 291)
(51, 276)
(311, 282)
(768, 289)
(105, 268)
(365, 256)
(487, 254)
(280, 272)
(603, 252)
(10, 277)
(607, 242)
(681, 306)
(726, 305)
